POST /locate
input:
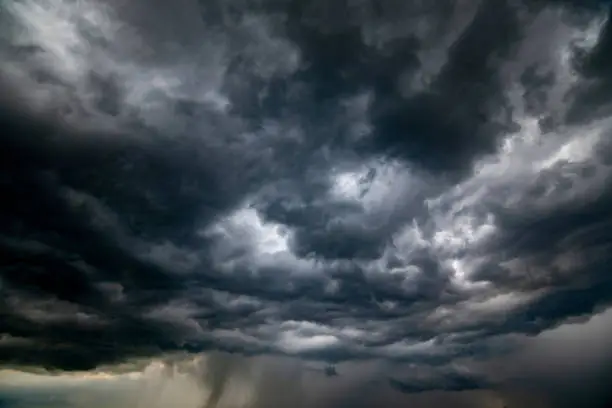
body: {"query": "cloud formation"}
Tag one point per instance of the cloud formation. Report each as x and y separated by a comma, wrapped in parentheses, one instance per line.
(337, 181)
(564, 367)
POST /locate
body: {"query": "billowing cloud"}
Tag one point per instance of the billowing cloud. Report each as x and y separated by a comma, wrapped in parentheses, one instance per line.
(341, 181)
(546, 372)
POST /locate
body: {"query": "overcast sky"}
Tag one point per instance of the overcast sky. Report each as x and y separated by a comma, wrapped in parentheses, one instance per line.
(324, 203)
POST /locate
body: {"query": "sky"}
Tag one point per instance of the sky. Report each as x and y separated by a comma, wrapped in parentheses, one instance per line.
(325, 203)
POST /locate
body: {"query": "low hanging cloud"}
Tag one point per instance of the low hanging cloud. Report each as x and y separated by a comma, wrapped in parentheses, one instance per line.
(563, 367)
(340, 182)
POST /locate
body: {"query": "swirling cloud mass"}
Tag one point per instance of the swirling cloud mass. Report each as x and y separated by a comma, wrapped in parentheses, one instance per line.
(411, 183)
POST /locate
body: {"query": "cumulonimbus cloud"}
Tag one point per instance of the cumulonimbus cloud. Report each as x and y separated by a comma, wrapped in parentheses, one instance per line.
(410, 183)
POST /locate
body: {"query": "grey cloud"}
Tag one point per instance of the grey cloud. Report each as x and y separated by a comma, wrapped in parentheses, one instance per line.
(447, 383)
(265, 177)
(546, 371)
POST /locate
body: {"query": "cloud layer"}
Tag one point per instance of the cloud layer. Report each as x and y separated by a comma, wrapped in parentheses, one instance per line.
(563, 367)
(351, 180)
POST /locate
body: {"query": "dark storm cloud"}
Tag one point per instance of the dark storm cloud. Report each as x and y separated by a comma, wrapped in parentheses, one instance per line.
(450, 382)
(336, 181)
(449, 124)
(593, 99)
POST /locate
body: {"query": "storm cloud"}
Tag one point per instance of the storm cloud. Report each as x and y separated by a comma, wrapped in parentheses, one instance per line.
(409, 183)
